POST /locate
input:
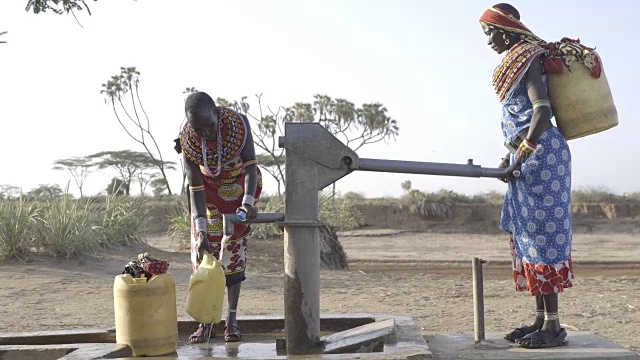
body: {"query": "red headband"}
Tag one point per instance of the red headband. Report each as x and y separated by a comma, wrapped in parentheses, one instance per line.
(504, 20)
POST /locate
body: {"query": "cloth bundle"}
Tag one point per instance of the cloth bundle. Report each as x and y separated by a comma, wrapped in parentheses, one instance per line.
(146, 265)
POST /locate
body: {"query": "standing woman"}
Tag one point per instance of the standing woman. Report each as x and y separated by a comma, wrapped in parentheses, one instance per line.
(537, 205)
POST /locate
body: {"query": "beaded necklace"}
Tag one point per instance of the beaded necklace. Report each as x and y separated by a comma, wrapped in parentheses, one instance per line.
(513, 67)
(204, 153)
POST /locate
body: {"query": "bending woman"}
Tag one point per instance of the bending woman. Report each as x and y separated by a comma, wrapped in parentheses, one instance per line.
(222, 170)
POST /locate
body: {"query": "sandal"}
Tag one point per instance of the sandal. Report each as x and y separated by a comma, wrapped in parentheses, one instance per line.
(542, 340)
(203, 334)
(232, 334)
(520, 332)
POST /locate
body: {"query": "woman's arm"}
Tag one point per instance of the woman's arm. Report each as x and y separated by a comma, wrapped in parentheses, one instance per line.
(198, 204)
(540, 120)
(538, 97)
(196, 189)
(251, 166)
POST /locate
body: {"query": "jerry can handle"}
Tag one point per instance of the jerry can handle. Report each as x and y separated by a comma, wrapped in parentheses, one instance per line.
(140, 280)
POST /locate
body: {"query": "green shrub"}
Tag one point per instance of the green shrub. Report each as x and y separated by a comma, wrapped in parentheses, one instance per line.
(354, 196)
(339, 213)
(68, 228)
(123, 221)
(268, 204)
(490, 197)
(17, 228)
(634, 196)
(594, 194)
(179, 228)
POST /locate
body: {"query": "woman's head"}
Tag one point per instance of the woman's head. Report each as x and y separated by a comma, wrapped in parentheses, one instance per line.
(501, 23)
(202, 115)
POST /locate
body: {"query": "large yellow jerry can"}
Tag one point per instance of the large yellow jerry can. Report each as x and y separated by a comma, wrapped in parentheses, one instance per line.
(206, 291)
(582, 104)
(146, 315)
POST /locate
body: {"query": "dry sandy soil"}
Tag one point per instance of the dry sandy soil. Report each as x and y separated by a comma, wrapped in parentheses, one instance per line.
(424, 275)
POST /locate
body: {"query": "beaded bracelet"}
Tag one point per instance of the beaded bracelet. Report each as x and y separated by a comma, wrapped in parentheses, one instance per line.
(541, 103)
(196, 188)
(526, 149)
(249, 200)
(201, 224)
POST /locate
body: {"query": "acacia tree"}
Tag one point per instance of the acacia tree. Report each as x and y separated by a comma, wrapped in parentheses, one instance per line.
(406, 185)
(144, 178)
(127, 164)
(124, 87)
(9, 191)
(115, 187)
(158, 187)
(78, 167)
(46, 192)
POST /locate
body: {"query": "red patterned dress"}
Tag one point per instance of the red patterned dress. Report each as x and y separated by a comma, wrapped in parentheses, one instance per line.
(224, 188)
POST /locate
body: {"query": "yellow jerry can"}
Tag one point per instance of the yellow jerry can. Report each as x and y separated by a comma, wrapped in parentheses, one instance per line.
(146, 315)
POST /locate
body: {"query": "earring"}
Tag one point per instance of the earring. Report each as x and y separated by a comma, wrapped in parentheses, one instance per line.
(506, 41)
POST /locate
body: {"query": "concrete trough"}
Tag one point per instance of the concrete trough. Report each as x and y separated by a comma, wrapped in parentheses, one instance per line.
(363, 336)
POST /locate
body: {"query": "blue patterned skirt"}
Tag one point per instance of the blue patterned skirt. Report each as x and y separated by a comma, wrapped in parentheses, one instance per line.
(537, 213)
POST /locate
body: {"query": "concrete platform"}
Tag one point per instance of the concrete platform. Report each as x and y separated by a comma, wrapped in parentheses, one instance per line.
(581, 345)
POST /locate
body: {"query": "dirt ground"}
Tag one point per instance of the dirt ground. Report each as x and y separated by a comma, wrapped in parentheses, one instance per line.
(423, 275)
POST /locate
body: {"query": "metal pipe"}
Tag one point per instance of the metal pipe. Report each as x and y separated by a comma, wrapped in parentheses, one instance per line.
(428, 168)
(496, 173)
(229, 219)
(478, 300)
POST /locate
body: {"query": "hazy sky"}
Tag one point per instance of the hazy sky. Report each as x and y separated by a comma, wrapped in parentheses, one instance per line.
(427, 61)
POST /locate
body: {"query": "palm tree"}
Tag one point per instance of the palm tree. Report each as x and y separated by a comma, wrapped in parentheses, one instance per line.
(302, 112)
(345, 112)
(376, 125)
(324, 107)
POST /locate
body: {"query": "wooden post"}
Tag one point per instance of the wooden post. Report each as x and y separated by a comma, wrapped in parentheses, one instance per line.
(478, 300)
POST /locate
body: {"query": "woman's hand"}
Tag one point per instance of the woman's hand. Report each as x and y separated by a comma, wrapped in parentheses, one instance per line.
(203, 245)
(249, 210)
(514, 170)
(503, 165)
